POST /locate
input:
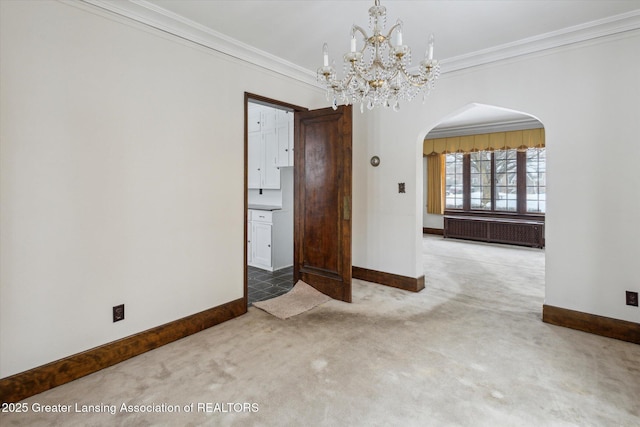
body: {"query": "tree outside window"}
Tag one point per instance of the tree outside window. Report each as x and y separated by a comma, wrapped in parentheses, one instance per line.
(506, 172)
(508, 181)
(536, 180)
(453, 181)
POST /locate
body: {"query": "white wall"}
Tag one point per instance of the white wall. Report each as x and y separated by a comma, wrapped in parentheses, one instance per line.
(387, 225)
(121, 177)
(586, 96)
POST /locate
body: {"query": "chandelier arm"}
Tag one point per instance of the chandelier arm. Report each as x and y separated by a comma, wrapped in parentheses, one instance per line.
(416, 80)
(335, 84)
(342, 85)
(388, 38)
(358, 76)
(380, 64)
(365, 74)
(357, 28)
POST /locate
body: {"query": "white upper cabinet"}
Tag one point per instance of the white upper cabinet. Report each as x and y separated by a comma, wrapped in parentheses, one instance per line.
(268, 118)
(254, 119)
(255, 160)
(271, 175)
(263, 145)
(284, 132)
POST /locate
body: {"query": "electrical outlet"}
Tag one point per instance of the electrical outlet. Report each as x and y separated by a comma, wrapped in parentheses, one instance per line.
(632, 298)
(118, 312)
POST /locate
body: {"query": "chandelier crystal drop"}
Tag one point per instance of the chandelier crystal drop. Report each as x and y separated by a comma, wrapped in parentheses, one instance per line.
(376, 75)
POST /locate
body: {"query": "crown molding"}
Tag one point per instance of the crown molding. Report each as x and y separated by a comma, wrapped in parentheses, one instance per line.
(478, 129)
(161, 19)
(609, 26)
(151, 15)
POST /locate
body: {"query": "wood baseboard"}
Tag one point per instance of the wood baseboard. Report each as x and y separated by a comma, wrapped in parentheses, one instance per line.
(394, 280)
(592, 323)
(438, 231)
(42, 378)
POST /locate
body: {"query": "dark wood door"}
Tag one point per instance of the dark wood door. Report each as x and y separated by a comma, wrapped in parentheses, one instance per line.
(322, 187)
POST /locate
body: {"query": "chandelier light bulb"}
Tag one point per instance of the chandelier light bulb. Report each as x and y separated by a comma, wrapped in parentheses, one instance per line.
(325, 55)
(430, 52)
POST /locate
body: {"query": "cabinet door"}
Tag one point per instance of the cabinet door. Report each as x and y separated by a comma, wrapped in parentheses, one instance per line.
(255, 160)
(249, 234)
(254, 120)
(283, 117)
(268, 118)
(284, 121)
(283, 137)
(270, 172)
(291, 156)
(261, 243)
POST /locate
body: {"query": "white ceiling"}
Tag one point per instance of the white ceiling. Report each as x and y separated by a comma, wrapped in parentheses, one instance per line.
(467, 32)
(295, 30)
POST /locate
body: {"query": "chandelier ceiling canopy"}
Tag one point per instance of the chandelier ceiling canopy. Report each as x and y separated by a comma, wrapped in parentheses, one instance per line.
(376, 67)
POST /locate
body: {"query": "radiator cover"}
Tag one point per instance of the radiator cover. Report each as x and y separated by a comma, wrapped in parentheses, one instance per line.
(498, 230)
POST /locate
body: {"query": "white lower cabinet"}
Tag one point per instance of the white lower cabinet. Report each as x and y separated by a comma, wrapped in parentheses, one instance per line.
(270, 235)
(261, 234)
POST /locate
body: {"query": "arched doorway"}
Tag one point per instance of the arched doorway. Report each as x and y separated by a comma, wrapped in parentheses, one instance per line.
(488, 167)
(492, 163)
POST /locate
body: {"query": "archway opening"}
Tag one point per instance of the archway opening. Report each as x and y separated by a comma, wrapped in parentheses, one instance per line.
(485, 187)
(486, 161)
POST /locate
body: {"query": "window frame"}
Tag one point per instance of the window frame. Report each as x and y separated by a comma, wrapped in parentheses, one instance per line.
(521, 191)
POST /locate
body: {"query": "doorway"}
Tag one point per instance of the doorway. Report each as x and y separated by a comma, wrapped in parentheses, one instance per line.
(484, 169)
(316, 161)
(269, 199)
(488, 164)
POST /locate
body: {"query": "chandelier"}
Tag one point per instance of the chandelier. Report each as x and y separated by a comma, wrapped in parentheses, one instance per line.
(377, 73)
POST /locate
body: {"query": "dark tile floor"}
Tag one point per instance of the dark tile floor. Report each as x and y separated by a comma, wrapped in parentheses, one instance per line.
(265, 284)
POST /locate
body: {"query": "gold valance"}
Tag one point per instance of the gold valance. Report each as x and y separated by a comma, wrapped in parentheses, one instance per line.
(518, 139)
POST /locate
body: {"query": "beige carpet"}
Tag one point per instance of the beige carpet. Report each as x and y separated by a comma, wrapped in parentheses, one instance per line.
(301, 298)
(469, 350)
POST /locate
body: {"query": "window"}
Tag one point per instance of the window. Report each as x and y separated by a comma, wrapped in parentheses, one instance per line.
(453, 181)
(481, 188)
(536, 180)
(508, 181)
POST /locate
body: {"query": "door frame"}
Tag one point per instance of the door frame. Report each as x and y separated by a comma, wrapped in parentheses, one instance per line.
(273, 102)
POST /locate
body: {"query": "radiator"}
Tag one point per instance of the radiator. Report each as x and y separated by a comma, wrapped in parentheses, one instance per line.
(498, 230)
